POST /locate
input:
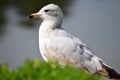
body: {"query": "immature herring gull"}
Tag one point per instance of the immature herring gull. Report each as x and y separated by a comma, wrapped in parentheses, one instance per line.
(58, 45)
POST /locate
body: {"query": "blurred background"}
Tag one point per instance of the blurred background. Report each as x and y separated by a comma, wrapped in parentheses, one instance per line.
(96, 22)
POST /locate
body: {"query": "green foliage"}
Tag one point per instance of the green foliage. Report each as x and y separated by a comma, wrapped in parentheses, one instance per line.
(36, 70)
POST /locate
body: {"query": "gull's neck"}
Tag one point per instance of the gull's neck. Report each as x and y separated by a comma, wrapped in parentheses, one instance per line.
(50, 25)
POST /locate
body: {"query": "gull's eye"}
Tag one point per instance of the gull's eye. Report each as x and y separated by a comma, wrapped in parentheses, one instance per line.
(47, 10)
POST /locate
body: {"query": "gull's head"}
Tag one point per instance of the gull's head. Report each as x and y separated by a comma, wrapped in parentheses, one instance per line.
(49, 12)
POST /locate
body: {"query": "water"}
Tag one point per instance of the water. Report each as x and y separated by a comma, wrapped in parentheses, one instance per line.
(96, 22)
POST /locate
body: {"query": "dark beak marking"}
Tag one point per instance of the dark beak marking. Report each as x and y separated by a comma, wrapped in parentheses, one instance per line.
(30, 17)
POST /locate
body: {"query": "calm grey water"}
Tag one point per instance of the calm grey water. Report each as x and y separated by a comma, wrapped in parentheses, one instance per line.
(96, 22)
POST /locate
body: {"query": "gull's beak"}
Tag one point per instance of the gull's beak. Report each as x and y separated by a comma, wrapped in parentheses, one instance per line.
(34, 15)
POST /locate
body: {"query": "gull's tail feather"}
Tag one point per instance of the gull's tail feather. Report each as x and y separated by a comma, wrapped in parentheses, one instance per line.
(112, 73)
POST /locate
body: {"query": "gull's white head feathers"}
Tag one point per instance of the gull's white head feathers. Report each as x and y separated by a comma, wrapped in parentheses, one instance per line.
(51, 13)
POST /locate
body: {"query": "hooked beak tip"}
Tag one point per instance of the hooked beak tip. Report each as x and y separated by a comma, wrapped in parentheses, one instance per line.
(29, 17)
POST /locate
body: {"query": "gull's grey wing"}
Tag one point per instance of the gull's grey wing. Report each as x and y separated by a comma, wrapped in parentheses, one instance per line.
(68, 49)
(89, 60)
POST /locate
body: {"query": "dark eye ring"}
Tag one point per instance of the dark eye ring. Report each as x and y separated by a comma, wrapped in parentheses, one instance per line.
(47, 10)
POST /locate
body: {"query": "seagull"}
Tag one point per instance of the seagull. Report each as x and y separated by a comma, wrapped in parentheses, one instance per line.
(58, 45)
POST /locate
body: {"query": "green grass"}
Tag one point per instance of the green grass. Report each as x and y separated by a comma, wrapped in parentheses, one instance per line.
(37, 70)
